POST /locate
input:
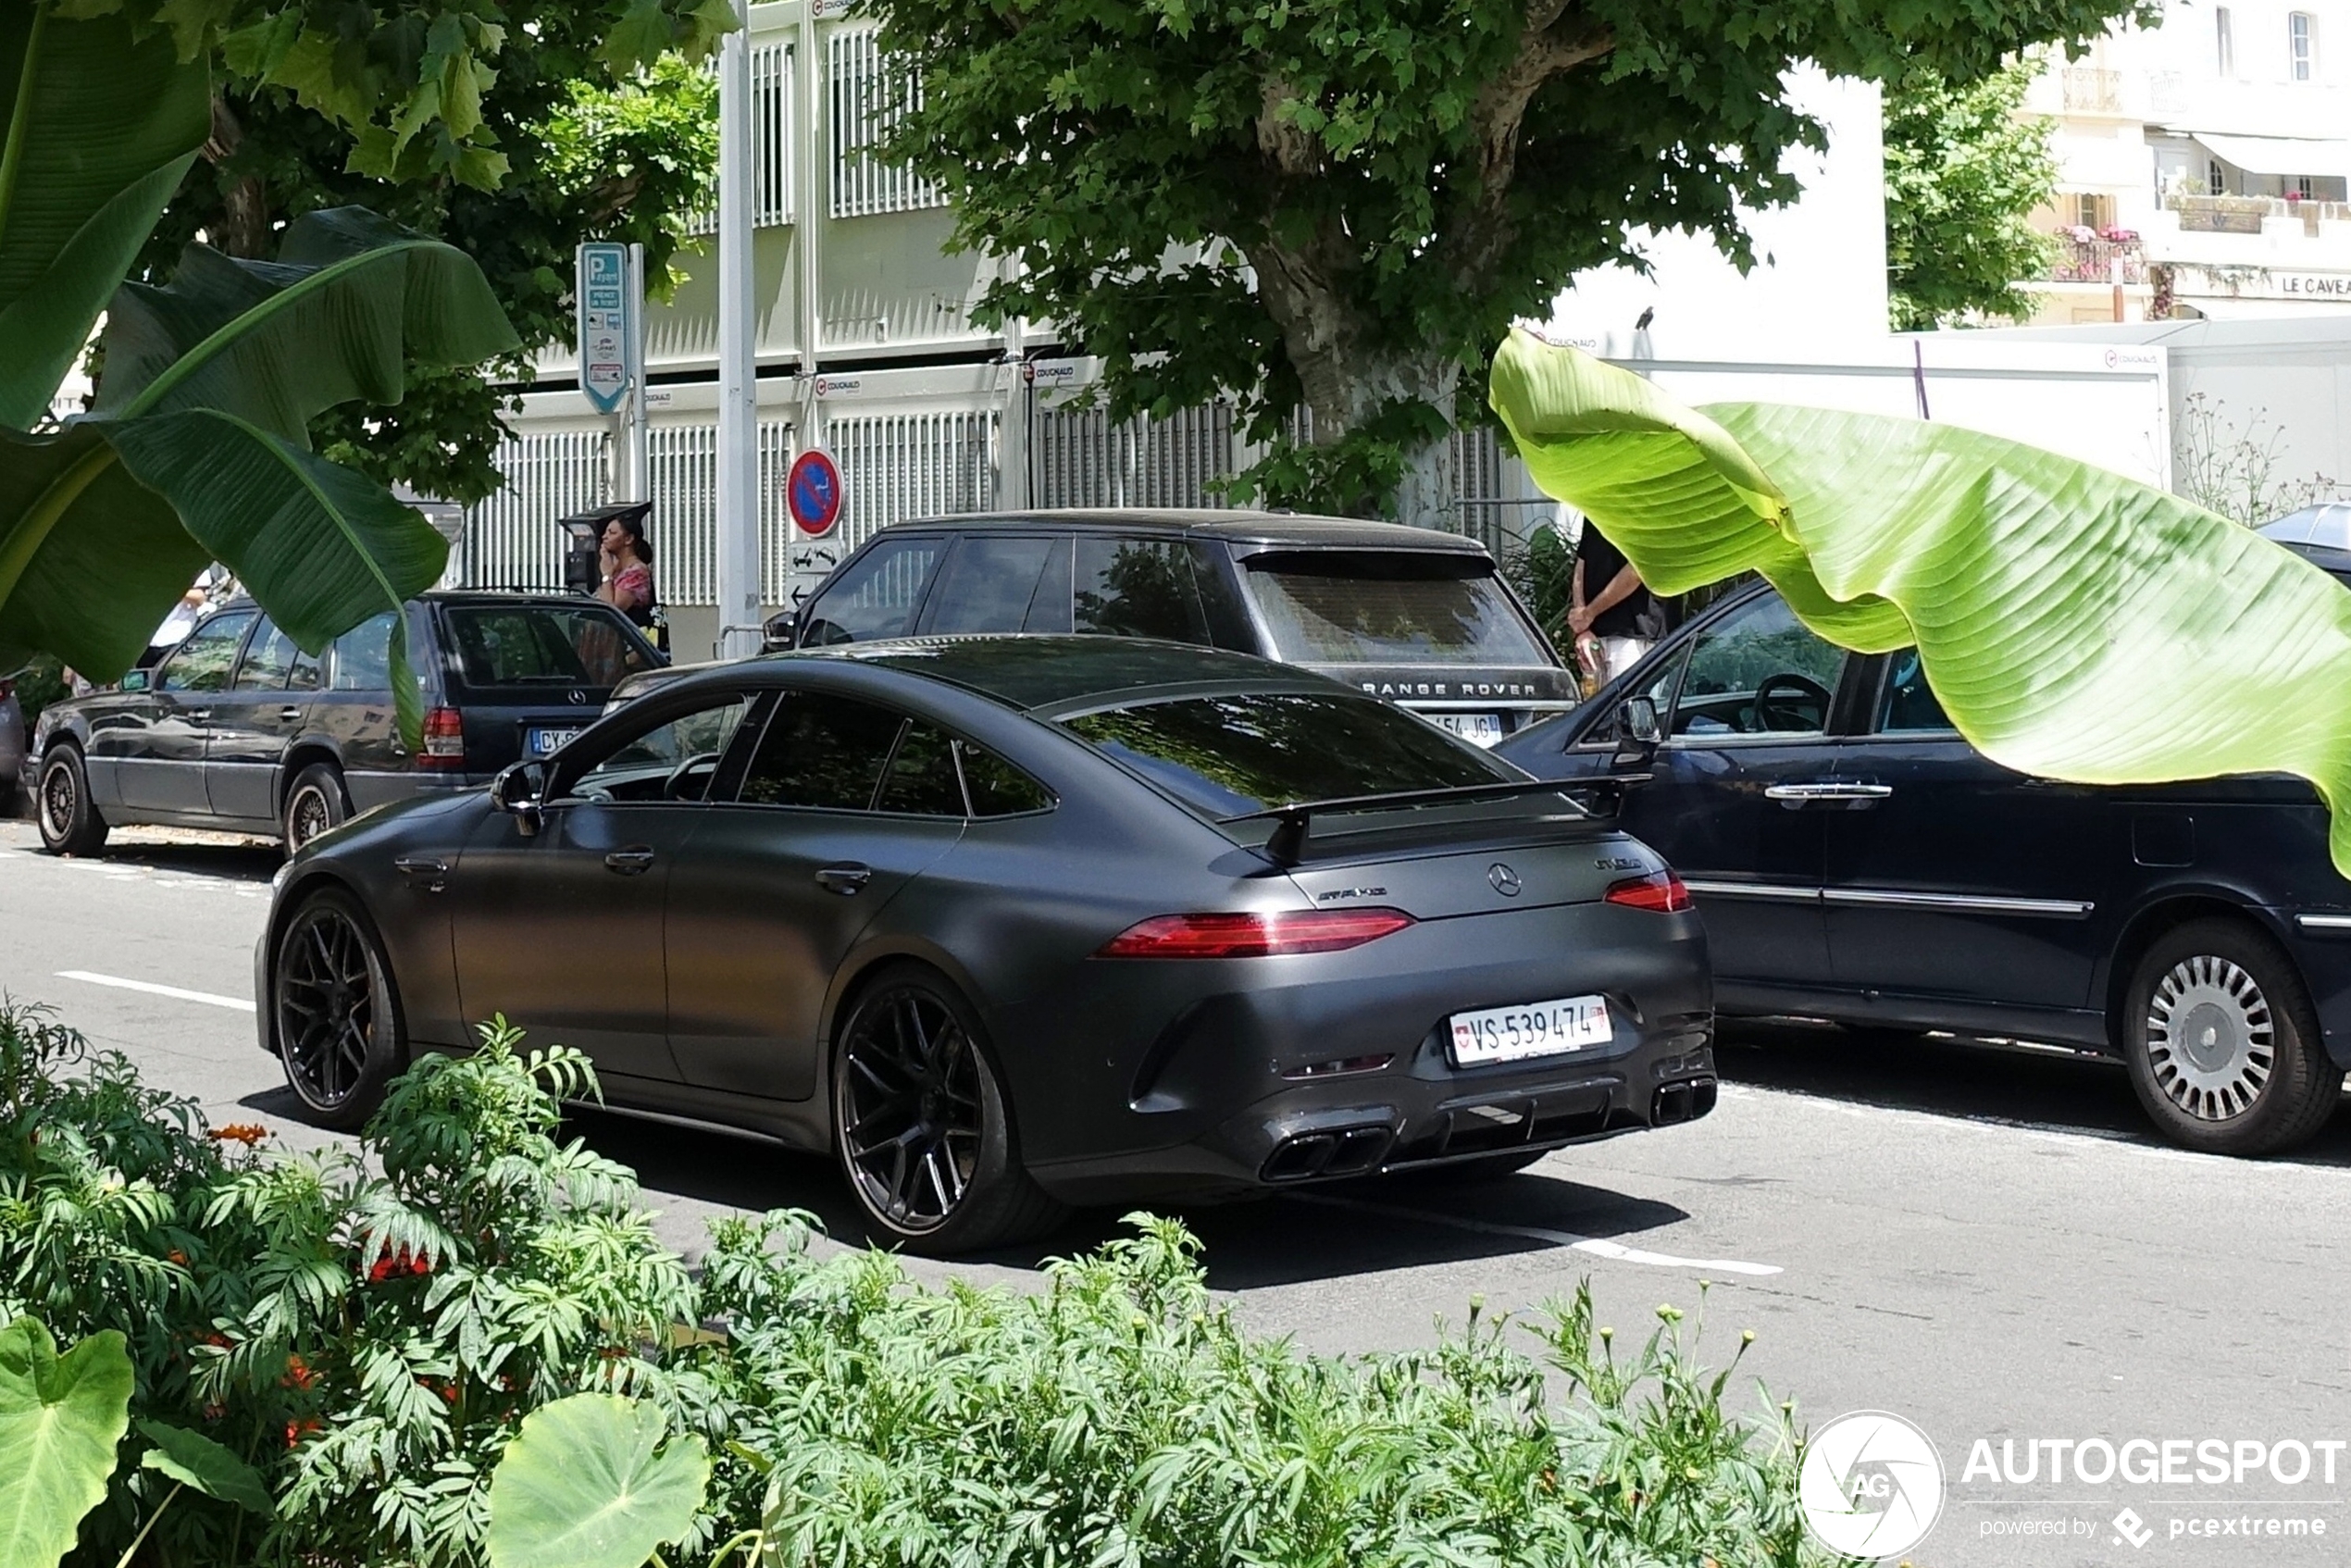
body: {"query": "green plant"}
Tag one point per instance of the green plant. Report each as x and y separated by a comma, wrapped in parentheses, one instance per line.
(1966, 168)
(1337, 206)
(588, 1483)
(2072, 623)
(60, 1418)
(2233, 469)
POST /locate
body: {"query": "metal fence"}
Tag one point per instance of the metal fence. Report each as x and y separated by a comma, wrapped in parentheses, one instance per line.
(771, 144)
(511, 540)
(1077, 458)
(896, 466)
(870, 93)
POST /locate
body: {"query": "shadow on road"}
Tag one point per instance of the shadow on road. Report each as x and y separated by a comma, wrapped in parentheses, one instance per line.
(188, 853)
(1978, 1080)
(1354, 1229)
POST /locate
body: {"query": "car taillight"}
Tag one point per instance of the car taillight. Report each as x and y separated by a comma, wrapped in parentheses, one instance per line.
(1659, 890)
(445, 739)
(1271, 934)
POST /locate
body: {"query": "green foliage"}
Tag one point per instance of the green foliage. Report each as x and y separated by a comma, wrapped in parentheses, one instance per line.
(41, 682)
(2064, 616)
(593, 150)
(462, 1345)
(1342, 205)
(60, 1418)
(582, 1485)
(1965, 170)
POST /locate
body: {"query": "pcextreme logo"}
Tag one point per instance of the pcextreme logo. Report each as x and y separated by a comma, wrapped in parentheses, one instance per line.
(1872, 1485)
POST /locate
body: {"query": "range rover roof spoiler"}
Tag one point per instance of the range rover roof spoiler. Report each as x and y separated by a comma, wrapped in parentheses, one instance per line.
(1291, 822)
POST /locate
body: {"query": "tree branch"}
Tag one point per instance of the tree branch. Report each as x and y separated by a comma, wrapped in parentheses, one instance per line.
(1555, 41)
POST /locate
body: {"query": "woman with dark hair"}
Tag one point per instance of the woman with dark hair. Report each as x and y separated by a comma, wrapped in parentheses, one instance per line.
(627, 562)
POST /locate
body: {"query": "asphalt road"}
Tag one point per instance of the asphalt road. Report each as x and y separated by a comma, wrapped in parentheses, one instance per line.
(1986, 1241)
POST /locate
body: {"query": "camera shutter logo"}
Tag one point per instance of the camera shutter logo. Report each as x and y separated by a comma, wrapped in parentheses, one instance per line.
(1872, 1485)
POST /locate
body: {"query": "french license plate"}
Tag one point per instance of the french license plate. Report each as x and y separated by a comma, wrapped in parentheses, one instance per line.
(539, 743)
(1478, 730)
(1534, 1029)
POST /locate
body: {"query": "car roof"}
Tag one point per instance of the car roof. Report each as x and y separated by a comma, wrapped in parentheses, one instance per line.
(1034, 672)
(2326, 557)
(1273, 529)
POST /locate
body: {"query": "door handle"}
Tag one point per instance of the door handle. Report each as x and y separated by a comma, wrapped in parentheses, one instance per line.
(631, 861)
(1827, 792)
(431, 868)
(196, 715)
(847, 878)
(290, 713)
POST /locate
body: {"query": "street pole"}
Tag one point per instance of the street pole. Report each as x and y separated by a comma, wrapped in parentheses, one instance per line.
(638, 484)
(738, 367)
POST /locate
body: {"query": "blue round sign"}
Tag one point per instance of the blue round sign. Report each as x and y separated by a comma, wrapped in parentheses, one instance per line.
(812, 492)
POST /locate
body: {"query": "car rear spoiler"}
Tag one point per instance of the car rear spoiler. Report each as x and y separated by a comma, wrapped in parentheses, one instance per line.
(1293, 822)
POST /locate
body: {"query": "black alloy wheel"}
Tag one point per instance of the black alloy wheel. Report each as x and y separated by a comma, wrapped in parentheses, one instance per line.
(2223, 1045)
(335, 1011)
(70, 824)
(314, 804)
(919, 1122)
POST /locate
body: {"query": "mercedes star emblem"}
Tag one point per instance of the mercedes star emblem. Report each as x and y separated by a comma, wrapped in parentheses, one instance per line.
(1505, 880)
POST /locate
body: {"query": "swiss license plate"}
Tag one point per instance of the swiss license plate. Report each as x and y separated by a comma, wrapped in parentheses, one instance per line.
(1479, 730)
(539, 743)
(1533, 1029)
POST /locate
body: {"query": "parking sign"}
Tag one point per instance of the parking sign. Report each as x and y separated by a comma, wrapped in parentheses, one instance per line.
(604, 309)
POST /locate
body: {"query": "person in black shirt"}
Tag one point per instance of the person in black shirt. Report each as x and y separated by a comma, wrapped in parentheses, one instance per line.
(1608, 601)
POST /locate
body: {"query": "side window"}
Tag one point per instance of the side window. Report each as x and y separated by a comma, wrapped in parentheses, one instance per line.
(822, 751)
(674, 761)
(1658, 691)
(877, 594)
(1757, 672)
(996, 786)
(304, 675)
(1137, 588)
(992, 583)
(269, 660)
(363, 656)
(1907, 704)
(201, 663)
(922, 781)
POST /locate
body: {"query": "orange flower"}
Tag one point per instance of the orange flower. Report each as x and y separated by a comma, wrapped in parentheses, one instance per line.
(391, 1261)
(298, 1373)
(246, 1133)
(298, 1429)
(177, 1256)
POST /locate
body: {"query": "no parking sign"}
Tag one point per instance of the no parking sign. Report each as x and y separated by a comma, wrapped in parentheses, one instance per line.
(812, 493)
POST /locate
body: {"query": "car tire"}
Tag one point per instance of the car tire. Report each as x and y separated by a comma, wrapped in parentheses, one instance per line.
(2223, 1043)
(921, 1128)
(315, 803)
(70, 823)
(335, 1010)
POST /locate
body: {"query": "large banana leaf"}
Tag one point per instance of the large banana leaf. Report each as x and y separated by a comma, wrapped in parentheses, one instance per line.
(351, 298)
(2074, 623)
(100, 126)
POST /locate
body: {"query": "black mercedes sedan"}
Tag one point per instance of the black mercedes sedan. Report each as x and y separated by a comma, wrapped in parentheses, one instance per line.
(1006, 924)
(1858, 861)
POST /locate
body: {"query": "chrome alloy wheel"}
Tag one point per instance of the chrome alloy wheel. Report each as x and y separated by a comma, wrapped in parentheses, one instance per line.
(327, 1001)
(60, 800)
(2211, 1040)
(308, 815)
(908, 1106)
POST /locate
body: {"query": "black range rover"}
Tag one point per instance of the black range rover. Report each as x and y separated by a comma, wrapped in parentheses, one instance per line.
(1409, 614)
(237, 729)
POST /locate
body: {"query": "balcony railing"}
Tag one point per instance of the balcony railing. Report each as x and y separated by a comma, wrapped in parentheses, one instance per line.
(2245, 214)
(2092, 261)
(2088, 90)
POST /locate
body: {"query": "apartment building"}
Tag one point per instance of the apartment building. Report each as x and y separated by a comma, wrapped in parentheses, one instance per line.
(2202, 166)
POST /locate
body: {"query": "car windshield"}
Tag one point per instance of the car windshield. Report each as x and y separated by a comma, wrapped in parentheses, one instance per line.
(1389, 607)
(527, 645)
(1241, 753)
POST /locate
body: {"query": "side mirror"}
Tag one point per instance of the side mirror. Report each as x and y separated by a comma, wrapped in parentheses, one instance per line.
(518, 791)
(1637, 734)
(778, 633)
(132, 680)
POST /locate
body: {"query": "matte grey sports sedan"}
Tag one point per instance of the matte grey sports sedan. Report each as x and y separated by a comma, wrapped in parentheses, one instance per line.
(1008, 924)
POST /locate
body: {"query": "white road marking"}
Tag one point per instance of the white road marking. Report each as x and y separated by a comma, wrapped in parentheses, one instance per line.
(207, 998)
(1598, 1247)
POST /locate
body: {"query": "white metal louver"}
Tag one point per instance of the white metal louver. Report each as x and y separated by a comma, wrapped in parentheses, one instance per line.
(771, 130)
(511, 540)
(1080, 458)
(869, 94)
(897, 467)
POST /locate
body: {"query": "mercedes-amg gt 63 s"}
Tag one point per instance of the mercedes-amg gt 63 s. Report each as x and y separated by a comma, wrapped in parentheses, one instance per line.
(1008, 924)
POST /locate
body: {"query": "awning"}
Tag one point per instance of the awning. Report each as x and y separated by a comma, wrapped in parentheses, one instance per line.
(2280, 155)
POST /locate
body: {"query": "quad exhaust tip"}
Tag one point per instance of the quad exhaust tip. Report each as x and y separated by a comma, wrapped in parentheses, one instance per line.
(1684, 1102)
(1341, 1151)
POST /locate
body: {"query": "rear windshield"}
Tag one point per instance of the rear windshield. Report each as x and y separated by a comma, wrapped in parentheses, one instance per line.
(541, 645)
(1231, 756)
(1389, 607)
